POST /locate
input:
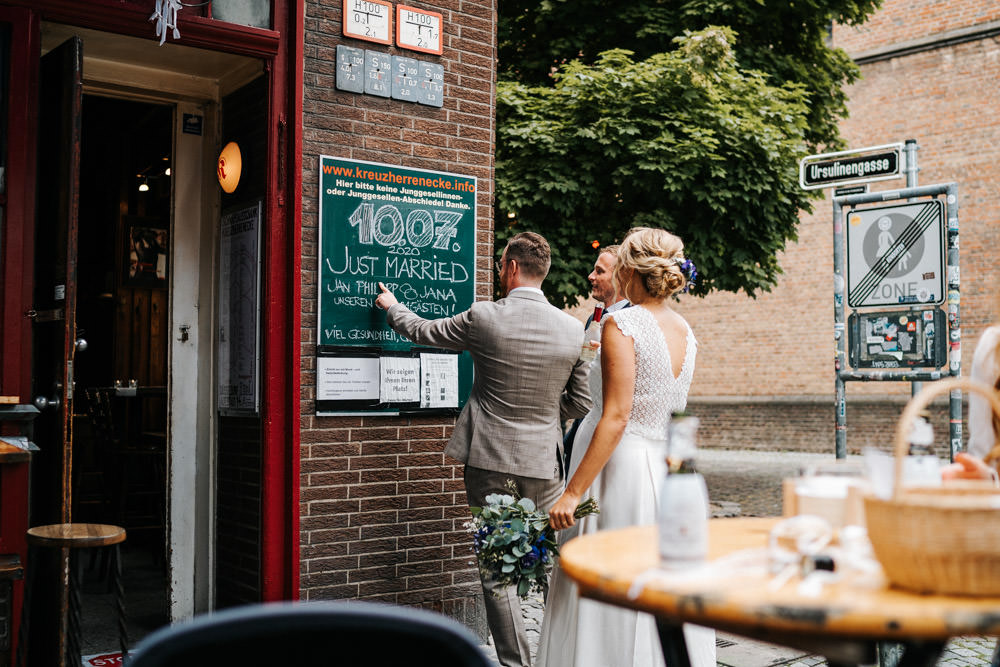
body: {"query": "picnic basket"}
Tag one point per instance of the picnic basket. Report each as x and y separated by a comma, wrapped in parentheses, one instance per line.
(938, 539)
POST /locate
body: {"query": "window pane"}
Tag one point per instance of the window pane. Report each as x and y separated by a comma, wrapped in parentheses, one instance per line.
(256, 13)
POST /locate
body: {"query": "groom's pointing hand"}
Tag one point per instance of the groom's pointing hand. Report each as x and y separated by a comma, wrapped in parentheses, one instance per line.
(386, 299)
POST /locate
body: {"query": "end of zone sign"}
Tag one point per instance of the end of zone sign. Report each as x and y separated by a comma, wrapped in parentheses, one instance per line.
(864, 165)
(896, 255)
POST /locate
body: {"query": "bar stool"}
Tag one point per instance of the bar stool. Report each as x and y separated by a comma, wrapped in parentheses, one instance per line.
(74, 536)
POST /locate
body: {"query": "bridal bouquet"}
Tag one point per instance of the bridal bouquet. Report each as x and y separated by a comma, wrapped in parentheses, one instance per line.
(513, 541)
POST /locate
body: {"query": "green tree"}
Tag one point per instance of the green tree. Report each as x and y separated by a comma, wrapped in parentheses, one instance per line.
(696, 128)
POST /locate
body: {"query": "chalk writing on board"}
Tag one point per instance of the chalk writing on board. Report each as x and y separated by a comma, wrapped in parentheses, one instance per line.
(412, 229)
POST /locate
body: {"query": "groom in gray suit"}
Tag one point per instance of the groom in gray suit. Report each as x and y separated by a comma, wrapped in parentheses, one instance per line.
(528, 378)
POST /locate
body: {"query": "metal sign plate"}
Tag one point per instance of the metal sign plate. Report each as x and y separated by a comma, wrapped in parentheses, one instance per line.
(404, 78)
(896, 255)
(430, 88)
(864, 165)
(378, 73)
(898, 339)
(418, 29)
(350, 69)
(370, 20)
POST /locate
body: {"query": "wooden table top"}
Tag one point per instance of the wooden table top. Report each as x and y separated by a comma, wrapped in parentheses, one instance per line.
(606, 564)
(76, 535)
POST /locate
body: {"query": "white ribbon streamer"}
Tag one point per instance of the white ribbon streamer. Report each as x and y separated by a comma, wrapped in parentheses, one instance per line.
(165, 17)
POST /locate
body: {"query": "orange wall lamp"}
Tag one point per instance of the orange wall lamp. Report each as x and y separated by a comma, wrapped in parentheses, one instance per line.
(230, 167)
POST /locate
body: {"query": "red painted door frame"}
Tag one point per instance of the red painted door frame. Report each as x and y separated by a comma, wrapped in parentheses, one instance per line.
(18, 223)
(16, 265)
(282, 50)
(282, 313)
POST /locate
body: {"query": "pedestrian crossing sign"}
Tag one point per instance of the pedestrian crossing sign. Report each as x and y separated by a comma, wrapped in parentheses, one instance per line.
(896, 255)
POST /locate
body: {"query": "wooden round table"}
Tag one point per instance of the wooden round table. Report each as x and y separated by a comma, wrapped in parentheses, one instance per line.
(842, 623)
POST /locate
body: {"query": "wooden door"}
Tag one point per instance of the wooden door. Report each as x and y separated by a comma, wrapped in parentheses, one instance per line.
(55, 272)
(54, 330)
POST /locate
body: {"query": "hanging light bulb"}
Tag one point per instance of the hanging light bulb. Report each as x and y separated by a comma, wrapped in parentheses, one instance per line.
(144, 186)
(166, 172)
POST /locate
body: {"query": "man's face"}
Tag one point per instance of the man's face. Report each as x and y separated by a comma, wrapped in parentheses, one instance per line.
(602, 284)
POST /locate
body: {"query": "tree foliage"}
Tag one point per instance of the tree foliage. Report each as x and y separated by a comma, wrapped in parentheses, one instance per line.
(695, 128)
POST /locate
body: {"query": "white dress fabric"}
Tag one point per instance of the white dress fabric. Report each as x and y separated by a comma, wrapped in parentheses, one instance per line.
(584, 633)
(984, 369)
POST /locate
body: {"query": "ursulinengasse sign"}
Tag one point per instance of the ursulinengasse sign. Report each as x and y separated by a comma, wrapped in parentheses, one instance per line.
(415, 231)
(864, 165)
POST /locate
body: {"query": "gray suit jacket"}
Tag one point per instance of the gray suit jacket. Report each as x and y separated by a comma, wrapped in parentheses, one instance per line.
(528, 377)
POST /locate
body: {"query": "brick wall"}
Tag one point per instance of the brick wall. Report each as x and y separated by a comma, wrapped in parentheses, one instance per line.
(903, 22)
(237, 526)
(781, 344)
(381, 507)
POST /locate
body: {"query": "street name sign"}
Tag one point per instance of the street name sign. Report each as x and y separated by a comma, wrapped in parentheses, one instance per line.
(896, 255)
(864, 165)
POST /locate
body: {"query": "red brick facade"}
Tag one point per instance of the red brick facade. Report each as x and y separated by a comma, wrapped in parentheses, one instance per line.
(903, 22)
(381, 507)
(942, 93)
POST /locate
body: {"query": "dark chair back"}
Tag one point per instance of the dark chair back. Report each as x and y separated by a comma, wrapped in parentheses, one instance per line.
(101, 416)
(305, 634)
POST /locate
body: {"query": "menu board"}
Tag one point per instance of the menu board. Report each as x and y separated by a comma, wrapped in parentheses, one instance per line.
(239, 310)
(415, 231)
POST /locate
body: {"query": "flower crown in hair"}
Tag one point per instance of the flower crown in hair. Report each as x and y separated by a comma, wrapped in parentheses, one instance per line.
(689, 270)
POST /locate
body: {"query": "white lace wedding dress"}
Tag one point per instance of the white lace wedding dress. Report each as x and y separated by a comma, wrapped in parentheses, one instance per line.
(584, 633)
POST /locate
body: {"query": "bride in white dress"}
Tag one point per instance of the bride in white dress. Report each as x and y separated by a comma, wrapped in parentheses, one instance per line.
(641, 375)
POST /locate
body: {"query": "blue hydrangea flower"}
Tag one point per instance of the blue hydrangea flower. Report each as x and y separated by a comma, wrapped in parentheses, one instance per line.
(690, 272)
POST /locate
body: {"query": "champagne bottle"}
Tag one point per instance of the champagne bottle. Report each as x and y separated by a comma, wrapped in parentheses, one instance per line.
(592, 336)
(683, 519)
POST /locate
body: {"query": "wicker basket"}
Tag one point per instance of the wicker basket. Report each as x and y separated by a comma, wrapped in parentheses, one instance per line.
(944, 539)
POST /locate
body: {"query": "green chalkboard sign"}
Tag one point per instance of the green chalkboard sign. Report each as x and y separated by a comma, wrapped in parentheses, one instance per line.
(415, 231)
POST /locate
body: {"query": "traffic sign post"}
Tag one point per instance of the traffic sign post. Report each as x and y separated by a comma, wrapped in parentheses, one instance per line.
(904, 253)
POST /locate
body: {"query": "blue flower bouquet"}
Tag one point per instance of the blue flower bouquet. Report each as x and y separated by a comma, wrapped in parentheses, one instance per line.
(514, 543)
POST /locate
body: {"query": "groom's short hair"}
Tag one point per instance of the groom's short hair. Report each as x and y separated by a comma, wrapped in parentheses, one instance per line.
(609, 250)
(531, 252)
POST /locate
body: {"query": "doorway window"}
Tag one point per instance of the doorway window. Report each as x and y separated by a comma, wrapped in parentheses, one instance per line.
(256, 13)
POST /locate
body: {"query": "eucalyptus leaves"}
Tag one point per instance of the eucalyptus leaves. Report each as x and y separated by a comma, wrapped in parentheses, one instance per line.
(513, 541)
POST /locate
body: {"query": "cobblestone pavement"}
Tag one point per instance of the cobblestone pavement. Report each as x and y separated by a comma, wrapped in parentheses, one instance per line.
(748, 483)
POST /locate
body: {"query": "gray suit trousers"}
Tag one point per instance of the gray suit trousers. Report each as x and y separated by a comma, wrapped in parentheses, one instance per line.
(503, 606)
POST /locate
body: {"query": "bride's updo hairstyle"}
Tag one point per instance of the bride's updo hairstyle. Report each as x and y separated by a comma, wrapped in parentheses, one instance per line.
(656, 256)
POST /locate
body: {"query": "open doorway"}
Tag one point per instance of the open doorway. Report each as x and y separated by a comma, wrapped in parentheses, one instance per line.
(149, 208)
(120, 400)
